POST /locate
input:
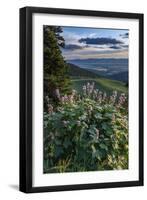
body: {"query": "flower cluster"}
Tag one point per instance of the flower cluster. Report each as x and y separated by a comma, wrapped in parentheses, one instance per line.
(89, 92)
(50, 108)
(68, 98)
(122, 99)
(95, 94)
(88, 89)
(113, 97)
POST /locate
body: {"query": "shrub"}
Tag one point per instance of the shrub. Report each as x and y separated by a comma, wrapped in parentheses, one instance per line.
(86, 133)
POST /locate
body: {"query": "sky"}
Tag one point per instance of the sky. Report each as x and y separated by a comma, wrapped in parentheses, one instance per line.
(90, 43)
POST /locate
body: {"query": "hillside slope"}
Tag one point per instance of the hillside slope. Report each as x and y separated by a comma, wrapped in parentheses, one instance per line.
(123, 76)
(80, 77)
(76, 72)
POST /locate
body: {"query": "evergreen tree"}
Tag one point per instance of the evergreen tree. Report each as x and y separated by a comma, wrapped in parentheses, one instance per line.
(55, 67)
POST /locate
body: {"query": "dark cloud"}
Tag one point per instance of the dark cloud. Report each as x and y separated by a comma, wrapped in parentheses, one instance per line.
(100, 41)
(125, 46)
(125, 35)
(94, 46)
(115, 47)
(73, 47)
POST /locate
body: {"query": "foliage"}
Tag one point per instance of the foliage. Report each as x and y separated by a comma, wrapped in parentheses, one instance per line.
(86, 132)
(55, 68)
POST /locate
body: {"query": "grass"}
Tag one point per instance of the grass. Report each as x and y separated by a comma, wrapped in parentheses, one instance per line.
(113, 85)
(102, 84)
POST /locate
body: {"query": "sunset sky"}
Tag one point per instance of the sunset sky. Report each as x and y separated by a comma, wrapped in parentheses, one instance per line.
(85, 43)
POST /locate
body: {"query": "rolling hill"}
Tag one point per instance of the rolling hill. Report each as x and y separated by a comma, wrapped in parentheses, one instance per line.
(80, 77)
(123, 76)
(115, 69)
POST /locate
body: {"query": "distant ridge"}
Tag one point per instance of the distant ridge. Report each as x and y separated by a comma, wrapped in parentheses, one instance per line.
(92, 59)
(76, 71)
(122, 76)
(79, 72)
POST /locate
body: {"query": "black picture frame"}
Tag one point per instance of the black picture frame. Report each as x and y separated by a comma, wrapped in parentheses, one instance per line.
(26, 99)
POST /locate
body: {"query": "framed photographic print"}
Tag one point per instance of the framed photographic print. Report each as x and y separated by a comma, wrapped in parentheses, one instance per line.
(81, 99)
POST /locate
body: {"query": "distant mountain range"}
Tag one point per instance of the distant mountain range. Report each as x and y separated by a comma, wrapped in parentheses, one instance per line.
(115, 69)
(99, 59)
(123, 76)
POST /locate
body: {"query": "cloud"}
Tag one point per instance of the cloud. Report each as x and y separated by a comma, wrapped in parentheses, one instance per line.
(125, 35)
(125, 46)
(73, 47)
(100, 41)
(115, 47)
(77, 54)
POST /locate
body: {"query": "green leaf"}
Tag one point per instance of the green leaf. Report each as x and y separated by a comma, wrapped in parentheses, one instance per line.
(93, 148)
(97, 154)
(98, 116)
(109, 131)
(103, 146)
(108, 115)
(104, 126)
(58, 151)
(57, 141)
(67, 143)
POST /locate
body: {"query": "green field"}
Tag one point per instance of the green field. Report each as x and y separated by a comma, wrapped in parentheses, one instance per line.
(102, 84)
